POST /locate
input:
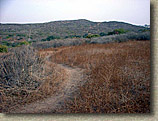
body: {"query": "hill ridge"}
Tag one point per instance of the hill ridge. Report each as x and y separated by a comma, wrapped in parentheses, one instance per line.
(61, 29)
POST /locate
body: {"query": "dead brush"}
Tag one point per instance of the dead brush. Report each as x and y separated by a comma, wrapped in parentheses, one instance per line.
(119, 82)
(22, 72)
(118, 78)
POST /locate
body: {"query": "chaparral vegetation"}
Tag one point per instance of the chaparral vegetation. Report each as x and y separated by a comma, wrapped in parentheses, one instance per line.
(75, 66)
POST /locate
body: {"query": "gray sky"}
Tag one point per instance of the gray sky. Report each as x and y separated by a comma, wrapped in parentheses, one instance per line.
(39, 11)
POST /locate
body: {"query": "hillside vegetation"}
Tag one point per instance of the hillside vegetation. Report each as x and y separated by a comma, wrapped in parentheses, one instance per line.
(62, 29)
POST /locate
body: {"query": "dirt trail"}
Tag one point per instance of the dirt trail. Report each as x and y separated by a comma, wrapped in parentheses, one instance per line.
(75, 78)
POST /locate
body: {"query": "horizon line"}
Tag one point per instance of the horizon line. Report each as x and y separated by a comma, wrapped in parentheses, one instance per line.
(23, 23)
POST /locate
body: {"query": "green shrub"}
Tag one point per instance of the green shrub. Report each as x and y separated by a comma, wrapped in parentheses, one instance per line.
(144, 30)
(3, 48)
(92, 35)
(102, 34)
(120, 31)
(49, 38)
(10, 35)
(43, 40)
(85, 35)
(15, 44)
(117, 31)
(23, 43)
(21, 35)
(8, 44)
(72, 36)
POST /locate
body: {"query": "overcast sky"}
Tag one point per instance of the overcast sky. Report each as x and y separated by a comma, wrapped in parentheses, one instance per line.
(39, 11)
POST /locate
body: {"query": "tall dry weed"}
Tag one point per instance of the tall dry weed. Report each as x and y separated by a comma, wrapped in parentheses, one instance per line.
(119, 77)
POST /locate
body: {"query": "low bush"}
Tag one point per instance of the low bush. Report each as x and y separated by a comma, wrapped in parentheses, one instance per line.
(15, 44)
(117, 31)
(85, 35)
(102, 34)
(23, 75)
(20, 68)
(92, 35)
(23, 43)
(73, 36)
(8, 44)
(49, 38)
(3, 48)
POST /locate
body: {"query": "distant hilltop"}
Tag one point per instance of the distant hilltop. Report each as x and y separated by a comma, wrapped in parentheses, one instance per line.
(62, 29)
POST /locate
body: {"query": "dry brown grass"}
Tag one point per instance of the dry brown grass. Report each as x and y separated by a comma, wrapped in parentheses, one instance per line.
(119, 77)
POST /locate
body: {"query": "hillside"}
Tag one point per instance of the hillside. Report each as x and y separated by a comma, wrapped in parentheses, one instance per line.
(60, 29)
